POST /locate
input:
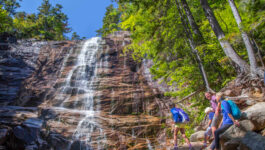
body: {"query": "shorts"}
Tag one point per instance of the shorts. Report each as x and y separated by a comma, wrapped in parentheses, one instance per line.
(180, 125)
(216, 120)
(208, 132)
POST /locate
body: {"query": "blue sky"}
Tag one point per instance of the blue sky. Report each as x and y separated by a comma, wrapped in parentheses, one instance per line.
(85, 16)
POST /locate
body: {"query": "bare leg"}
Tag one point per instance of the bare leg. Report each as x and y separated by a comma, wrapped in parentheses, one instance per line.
(176, 130)
(213, 130)
(182, 130)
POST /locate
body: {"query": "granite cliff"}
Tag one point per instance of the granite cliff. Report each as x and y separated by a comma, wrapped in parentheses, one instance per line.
(79, 94)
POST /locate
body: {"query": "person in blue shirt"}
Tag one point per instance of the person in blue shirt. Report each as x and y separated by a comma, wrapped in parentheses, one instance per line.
(228, 120)
(210, 112)
(178, 124)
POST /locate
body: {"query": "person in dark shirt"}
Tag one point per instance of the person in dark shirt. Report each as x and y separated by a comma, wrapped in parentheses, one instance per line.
(228, 120)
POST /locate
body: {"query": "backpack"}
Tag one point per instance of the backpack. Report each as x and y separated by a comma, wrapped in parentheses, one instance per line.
(236, 113)
(179, 116)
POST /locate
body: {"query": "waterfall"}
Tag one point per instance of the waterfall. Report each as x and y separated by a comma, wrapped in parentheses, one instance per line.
(80, 81)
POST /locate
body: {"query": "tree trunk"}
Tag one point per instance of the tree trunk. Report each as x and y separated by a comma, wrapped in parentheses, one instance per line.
(226, 46)
(191, 20)
(259, 54)
(249, 46)
(192, 44)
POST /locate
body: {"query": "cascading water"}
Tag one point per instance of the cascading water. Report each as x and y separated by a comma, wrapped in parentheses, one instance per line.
(80, 81)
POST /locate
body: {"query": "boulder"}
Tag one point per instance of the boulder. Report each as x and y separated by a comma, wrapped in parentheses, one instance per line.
(32, 147)
(231, 144)
(256, 114)
(3, 147)
(263, 132)
(252, 141)
(27, 135)
(78, 145)
(238, 132)
(197, 136)
(3, 135)
(57, 141)
(33, 123)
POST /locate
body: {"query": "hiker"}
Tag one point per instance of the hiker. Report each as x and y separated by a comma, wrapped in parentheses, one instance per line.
(216, 106)
(180, 118)
(227, 121)
(208, 111)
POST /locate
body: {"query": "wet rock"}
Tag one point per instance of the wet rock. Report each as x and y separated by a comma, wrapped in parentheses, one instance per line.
(78, 145)
(252, 141)
(26, 135)
(15, 115)
(57, 141)
(33, 123)
(125, 104)
(23, 135)
(197, 136)
(16, 65)
(256, 114)
(46, 69)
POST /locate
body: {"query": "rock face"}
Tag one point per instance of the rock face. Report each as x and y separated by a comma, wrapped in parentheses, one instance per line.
(16, 65)
(197, 136)
(244, 137)
(126, 110)
(46, 70)
(248, 136)
(253, 141)
(256, 114)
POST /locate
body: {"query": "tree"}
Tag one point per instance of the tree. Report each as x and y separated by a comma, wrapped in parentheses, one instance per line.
(192, 22)
(229, 51)
(198, 34)
(75, 36)
(53, 22)
(253, 63)
(110, 21)
(10, 6)
(5, 20)
(26, 25)
(45, 8)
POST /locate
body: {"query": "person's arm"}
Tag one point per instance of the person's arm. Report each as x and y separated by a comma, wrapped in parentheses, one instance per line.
(233, 119)
(218, 108)
(228, 110)
(209, 123)
(220, 123)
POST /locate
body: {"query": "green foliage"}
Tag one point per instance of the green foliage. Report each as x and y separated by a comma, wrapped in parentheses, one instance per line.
(50, 23)
(75, 36)
(157, 34)
(54, 23)
(10, 6)
(5, 20)
(110, 21)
